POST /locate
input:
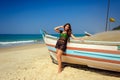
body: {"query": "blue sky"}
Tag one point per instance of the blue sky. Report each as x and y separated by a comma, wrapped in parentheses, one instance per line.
(29, 16)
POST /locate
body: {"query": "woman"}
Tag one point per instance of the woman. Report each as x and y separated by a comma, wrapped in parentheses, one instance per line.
(62, 42)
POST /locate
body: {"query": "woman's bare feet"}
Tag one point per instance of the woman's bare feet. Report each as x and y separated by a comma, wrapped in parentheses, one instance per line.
(60, 70)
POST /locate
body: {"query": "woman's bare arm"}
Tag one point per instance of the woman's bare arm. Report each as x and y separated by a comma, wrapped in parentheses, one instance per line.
(76, 37)
(57, 28)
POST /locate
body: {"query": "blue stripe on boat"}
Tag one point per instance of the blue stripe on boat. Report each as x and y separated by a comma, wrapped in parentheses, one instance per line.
(90, 54)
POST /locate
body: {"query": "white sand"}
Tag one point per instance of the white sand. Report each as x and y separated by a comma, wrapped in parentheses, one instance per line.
(32, 62)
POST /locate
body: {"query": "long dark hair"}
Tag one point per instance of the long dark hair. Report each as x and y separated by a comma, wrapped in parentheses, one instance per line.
(69, 32)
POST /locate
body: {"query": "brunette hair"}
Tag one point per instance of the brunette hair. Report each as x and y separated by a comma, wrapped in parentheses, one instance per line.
(69, 32)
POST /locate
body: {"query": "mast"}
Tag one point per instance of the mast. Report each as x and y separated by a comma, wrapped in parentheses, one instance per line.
(108, 7)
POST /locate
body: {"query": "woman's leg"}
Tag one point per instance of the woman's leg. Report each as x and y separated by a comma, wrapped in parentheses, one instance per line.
(59, 54)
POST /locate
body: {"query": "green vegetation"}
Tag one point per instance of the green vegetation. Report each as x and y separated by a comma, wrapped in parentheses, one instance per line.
(116, 28)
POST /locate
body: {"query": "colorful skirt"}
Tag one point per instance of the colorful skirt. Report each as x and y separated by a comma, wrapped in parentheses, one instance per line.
(61, 44)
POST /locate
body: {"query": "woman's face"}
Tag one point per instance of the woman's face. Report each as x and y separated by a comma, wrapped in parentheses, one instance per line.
(67, 27)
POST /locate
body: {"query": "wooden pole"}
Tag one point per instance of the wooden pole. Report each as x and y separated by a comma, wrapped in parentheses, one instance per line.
(108, 7)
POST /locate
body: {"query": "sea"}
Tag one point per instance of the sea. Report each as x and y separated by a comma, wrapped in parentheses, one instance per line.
(10, 40)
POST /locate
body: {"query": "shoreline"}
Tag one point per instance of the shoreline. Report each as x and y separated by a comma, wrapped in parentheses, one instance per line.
(32, 62)
(25, 46)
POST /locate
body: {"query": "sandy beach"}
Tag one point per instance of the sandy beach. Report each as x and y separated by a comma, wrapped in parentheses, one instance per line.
(32, 62)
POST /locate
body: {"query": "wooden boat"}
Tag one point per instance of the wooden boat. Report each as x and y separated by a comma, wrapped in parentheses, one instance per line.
(96, 54)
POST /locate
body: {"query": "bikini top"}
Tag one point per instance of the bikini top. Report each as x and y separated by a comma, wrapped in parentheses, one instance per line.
(63, 35)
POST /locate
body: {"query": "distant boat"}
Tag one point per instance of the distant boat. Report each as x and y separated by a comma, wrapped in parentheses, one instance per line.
(96, 54)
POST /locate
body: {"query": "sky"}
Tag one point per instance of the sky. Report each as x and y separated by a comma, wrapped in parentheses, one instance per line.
(29, 16)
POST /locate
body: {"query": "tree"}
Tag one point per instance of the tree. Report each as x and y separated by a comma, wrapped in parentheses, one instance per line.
(116, 28)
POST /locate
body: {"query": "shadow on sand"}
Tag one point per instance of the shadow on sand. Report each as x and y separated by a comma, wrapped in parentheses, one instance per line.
(86, 68)
(99, 71)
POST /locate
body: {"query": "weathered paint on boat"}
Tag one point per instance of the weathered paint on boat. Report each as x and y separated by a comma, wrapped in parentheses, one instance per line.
(97, 54)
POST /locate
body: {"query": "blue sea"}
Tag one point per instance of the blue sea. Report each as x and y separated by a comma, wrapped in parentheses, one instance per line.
(9, 40)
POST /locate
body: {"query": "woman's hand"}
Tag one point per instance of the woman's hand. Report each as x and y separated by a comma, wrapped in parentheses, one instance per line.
(76, 38)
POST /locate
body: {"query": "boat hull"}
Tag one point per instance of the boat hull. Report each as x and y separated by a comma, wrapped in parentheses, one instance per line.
(88, 62)
(101, 56)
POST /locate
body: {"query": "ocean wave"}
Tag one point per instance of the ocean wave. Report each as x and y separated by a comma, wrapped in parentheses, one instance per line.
(15, 43)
